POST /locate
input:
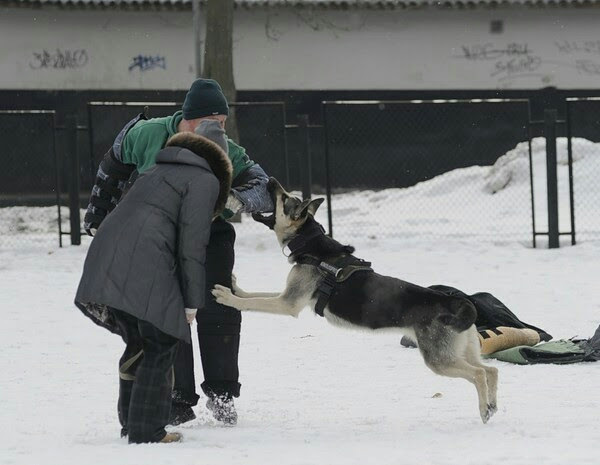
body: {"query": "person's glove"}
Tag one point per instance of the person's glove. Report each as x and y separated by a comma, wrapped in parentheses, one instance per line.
(190, 314)
(233, 204)
(90, 227)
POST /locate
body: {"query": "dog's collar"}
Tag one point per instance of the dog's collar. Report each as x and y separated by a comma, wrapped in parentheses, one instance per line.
(308, 231)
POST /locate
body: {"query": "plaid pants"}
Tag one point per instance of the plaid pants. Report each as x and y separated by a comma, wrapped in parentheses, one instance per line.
(145, 379)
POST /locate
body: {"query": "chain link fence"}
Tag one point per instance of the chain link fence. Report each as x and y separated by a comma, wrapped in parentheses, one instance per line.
(584, 136)
(29, 196)
(425, 169)
(260, 128)
(437, 169)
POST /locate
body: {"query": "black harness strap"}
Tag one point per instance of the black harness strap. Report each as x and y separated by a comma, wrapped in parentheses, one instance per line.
(325, 288)
(333, 271)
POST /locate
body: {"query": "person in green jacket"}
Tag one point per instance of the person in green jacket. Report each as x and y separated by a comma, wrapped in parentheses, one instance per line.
(204, 111)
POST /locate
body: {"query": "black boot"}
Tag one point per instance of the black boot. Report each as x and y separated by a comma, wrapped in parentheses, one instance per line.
(223, 409)
(181, 413)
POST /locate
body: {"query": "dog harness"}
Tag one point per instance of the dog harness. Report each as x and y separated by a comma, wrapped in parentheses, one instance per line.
(333, 270)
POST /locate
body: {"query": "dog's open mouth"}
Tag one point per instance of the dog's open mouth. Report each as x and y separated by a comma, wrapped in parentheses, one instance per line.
(266, 219)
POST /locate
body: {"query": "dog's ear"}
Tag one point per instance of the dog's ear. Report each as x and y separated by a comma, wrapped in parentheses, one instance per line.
(314, 205)
(306, 207)
(301, 210)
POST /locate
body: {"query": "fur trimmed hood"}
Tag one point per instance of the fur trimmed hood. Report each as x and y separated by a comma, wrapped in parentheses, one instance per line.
(216, 158)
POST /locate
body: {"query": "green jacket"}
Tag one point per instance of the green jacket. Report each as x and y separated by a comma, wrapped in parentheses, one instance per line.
(144, 140)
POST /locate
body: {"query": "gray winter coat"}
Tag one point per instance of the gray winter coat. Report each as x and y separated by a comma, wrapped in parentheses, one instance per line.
(147, 258)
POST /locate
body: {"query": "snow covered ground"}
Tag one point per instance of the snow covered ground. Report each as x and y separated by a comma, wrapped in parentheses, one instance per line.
(313, 393)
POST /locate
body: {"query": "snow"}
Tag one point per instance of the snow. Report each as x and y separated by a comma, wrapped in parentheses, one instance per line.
(480, 202)
(313, 393)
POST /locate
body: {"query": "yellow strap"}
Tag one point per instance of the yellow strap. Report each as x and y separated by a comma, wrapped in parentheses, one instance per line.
(127, 365)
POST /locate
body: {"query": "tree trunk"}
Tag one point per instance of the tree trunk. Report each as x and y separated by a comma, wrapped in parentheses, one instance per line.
(218, 55)
(196, 19)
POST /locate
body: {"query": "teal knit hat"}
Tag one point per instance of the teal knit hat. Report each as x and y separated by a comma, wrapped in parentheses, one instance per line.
(205, 98)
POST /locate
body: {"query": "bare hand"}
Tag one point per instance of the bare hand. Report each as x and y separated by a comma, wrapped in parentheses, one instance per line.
(190, 315)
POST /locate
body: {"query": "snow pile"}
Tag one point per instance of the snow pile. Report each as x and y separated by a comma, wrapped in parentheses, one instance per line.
(29, 220)
(514, 165)
(32, 226)
(459, 204)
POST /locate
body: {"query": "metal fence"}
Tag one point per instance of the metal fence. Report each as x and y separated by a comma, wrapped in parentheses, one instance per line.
(422, 168)
(582, 141)
(260, 125)
(29, 187)
(474, 170)
(261, 128)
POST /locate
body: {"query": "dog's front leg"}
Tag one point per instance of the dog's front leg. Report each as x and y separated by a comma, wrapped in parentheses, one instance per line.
(238, 291)
(279, 304)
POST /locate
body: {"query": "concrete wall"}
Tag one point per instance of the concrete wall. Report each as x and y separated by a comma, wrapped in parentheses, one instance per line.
(303, 49)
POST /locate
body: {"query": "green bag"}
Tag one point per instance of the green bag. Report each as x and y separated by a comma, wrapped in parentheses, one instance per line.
(562, 351)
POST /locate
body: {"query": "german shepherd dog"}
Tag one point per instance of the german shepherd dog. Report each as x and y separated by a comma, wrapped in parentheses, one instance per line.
(442, 325)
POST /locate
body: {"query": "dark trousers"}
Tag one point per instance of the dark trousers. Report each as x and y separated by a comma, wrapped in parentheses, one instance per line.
(145, 379)
(218, 328)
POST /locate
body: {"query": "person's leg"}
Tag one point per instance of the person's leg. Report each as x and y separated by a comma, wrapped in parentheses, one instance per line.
(218, 325)
(150, 403)
(128, 363)
(184, 390)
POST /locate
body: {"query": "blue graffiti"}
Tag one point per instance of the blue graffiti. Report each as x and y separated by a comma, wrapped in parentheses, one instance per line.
(147, 62)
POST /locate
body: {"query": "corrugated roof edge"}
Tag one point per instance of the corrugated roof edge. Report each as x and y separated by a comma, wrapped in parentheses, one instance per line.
(328, 4)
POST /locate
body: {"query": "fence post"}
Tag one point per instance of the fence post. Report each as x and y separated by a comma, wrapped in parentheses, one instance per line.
(72, 150)
(327, 167)
(306, 163)
(570, 159)
(550, 117)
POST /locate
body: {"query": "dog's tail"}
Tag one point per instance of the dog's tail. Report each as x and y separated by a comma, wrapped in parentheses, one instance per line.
(461, 316)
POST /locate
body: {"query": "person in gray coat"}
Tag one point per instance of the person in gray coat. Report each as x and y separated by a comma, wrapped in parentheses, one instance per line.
(144, 275)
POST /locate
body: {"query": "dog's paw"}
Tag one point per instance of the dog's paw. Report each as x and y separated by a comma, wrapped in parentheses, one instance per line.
(488, 412)
(234, 287)
(224, 296)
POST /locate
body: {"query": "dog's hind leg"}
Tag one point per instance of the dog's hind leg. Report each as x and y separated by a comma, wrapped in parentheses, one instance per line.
(461, 369)
(443, 351)
(473, 357)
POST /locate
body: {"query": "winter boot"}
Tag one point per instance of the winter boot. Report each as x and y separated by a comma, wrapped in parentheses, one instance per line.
(223, 409)
(181, 413)
(171, 437)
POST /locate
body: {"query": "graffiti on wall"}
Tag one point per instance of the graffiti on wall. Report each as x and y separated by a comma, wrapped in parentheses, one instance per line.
(490, 51)
(589, 48)
(517, 59)
(589, 67)
(59, 59)
(569, 47)
(147, 62)
(509, 61)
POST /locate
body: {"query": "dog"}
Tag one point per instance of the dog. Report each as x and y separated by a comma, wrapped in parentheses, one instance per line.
(347, 292)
